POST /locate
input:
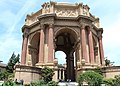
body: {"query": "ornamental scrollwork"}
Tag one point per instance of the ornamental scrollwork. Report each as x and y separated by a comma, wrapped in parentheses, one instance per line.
(66, 12)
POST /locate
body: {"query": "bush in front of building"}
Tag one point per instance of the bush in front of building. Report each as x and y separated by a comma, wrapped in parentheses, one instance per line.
(91, 78)
(43, 83)
(116, 80)
(47, 74)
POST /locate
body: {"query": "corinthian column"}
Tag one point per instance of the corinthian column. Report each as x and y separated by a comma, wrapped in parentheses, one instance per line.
(50, 44)
(24, 48)
(83, 43)
(41, 45)
(91, 48)
(101, 50)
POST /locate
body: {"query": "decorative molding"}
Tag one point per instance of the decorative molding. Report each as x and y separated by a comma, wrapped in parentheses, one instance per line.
(66, 12)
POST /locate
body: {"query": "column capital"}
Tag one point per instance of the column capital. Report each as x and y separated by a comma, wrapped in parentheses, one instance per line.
(26, 32)
(100, 37)
(89, 27)
(82, 26)
(51, 25)
(42, 26)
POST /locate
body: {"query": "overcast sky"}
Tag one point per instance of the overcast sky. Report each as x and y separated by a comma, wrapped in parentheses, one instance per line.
(12, 18)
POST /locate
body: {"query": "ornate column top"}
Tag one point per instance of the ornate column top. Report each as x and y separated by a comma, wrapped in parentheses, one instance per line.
(26, 32)
(82, 25)
(42, 26)
(100, 31)
(51, 25)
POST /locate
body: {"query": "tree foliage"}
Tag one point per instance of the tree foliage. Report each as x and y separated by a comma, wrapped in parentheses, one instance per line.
(108, 82)
(98, 70)
(116, 80)
(43, 83)
(91, 78)
(47, 74)
(8, 72)
(12, 61)
(108, 62)
(4, 75)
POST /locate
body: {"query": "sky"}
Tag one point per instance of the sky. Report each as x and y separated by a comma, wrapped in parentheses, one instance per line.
(13, 14)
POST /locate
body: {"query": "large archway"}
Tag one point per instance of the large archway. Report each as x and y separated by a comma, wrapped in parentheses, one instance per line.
(34, 48)
(65, 41)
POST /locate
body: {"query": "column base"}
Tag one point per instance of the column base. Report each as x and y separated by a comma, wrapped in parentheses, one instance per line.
(40, 65)
(50, 65)
(89, 65)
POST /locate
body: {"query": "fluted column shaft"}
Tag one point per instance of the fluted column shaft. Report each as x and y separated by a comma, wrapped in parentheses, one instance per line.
(50, 44)
(24, 48)
(83, 43)
(101, 50)
(91, 48)
(41, 45)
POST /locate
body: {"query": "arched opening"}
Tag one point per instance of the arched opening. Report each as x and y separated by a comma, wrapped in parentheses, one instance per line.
(61, 56)
(65, 41)
(34, 48)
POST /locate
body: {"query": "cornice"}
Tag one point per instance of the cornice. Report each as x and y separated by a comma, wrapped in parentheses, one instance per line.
(46, 15)
(42, 17)
(24, 27)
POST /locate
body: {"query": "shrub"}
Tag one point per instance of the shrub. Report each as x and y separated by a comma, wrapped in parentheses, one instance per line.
(27, 85)
(9, 83)
(52, 83)
(91, 78)
(108, 82)
(47, 74)
(116, 81)
(98, 70)
(38, 83)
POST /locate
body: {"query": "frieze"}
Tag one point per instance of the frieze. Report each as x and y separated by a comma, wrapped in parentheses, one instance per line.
(49, 20)
(66, 12)
(66, 23)
(85, 21)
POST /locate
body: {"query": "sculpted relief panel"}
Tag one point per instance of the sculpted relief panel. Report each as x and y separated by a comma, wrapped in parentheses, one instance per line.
(66, 12)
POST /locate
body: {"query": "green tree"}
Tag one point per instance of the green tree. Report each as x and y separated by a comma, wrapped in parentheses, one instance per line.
(98, 70)
(108, 62)
(91, 78)
(4, 75)
(47, 74)
(8, 72)
(12, 61)
(116, 80)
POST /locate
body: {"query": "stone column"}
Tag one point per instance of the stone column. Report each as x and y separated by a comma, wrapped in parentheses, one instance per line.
(91, 48)
(68, 67)
(24, 48)
(41, 45)
(83, 44)
(50, 44)
(72, 70)
(101, 50)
